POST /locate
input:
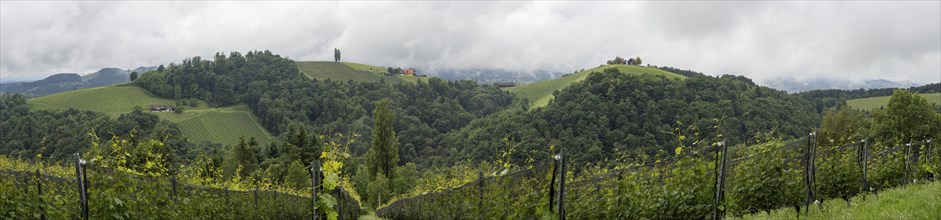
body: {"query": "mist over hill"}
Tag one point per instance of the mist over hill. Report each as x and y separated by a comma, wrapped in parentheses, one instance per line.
(487, 76)
(71, 81)
(800, 85)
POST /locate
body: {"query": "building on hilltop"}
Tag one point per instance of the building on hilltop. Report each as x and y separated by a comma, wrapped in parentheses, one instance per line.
(407, 72)
(504, 84)
(162, 108)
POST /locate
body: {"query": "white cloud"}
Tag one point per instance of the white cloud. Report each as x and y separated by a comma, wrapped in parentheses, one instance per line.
(763, 40)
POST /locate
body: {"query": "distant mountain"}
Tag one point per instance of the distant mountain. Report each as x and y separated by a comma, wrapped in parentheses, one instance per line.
(795, 85)
(70, 81)
(488, 76)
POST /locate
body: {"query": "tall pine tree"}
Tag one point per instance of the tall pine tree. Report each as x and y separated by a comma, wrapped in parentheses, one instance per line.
(383, 155)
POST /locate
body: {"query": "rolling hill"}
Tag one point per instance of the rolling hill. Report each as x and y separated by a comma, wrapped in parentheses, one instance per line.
(539, 93)
(199, 124)
(866, 104)
(345, 71)
(70, 81)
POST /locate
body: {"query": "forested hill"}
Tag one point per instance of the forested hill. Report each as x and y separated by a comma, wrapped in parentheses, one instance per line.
(283, 98)
(612, 115)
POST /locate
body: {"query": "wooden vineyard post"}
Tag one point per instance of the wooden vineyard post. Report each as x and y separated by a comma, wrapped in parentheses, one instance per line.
(720, 181)
(561, 185)
(42, 210)
(928, 159)
(865, 164)
(315, 183)
(80, 179)
(555, 165)
(173, 182)
(480, 191)
(810, 156)
(908, 171)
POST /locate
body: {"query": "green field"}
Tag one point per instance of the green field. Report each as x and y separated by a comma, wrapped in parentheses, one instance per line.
(112, 100)
(199, 124)
(916, 201)
(539, 93)
(345, 71)
(871, 103)
(224, 125)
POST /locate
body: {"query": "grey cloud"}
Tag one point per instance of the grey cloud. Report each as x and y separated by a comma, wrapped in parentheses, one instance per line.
(761, 40)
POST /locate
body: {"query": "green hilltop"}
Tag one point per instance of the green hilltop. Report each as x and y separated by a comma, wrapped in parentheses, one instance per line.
(866, 104)
(345, 71)
(199, 123)
(539, 93)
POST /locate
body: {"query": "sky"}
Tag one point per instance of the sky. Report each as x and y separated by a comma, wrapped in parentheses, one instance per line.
(895, 40)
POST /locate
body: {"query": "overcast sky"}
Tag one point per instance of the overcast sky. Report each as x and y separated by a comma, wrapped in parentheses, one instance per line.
(760, 40)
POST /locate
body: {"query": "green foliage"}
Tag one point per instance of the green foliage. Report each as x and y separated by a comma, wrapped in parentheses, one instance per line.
(908, 117)
(298, 177)
(383, 156)
(611, 115)
(378, 190)
(117, 194)
(843, 127)
(539, 93)
(916, 201)
(880, 102)
(241, 160)
(404, 179)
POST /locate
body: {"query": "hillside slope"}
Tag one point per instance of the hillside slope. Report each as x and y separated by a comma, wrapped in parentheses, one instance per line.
(539, 93)
(914, 201)
(345, 71)
(867, 104)
(220, 125)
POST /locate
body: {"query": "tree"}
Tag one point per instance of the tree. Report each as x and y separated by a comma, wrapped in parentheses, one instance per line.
(907, 117)
(241, 159)
(383, 155)
(298, 177)
(133, 75)
(617, 60)
(336, 55)
(842, 127)
(637, 61)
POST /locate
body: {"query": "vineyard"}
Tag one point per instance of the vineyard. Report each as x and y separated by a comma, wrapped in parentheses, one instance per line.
(215, 126)
(199, 124)
(52, 190)
(343, 72)
(112, 100)
(868, 104)
(709, 182)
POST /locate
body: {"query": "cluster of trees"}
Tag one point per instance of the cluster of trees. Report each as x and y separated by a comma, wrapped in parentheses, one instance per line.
(632, 61)
(634, 116)
(835, 98)
(300, 110)
(59, 133)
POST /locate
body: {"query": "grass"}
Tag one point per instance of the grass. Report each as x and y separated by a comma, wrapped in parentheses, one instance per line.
(201, 123)
(871, 103)
(112, 100)
(915, 201)
(344, 71)
(539, 93)
(366, 67)
(224, 125)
